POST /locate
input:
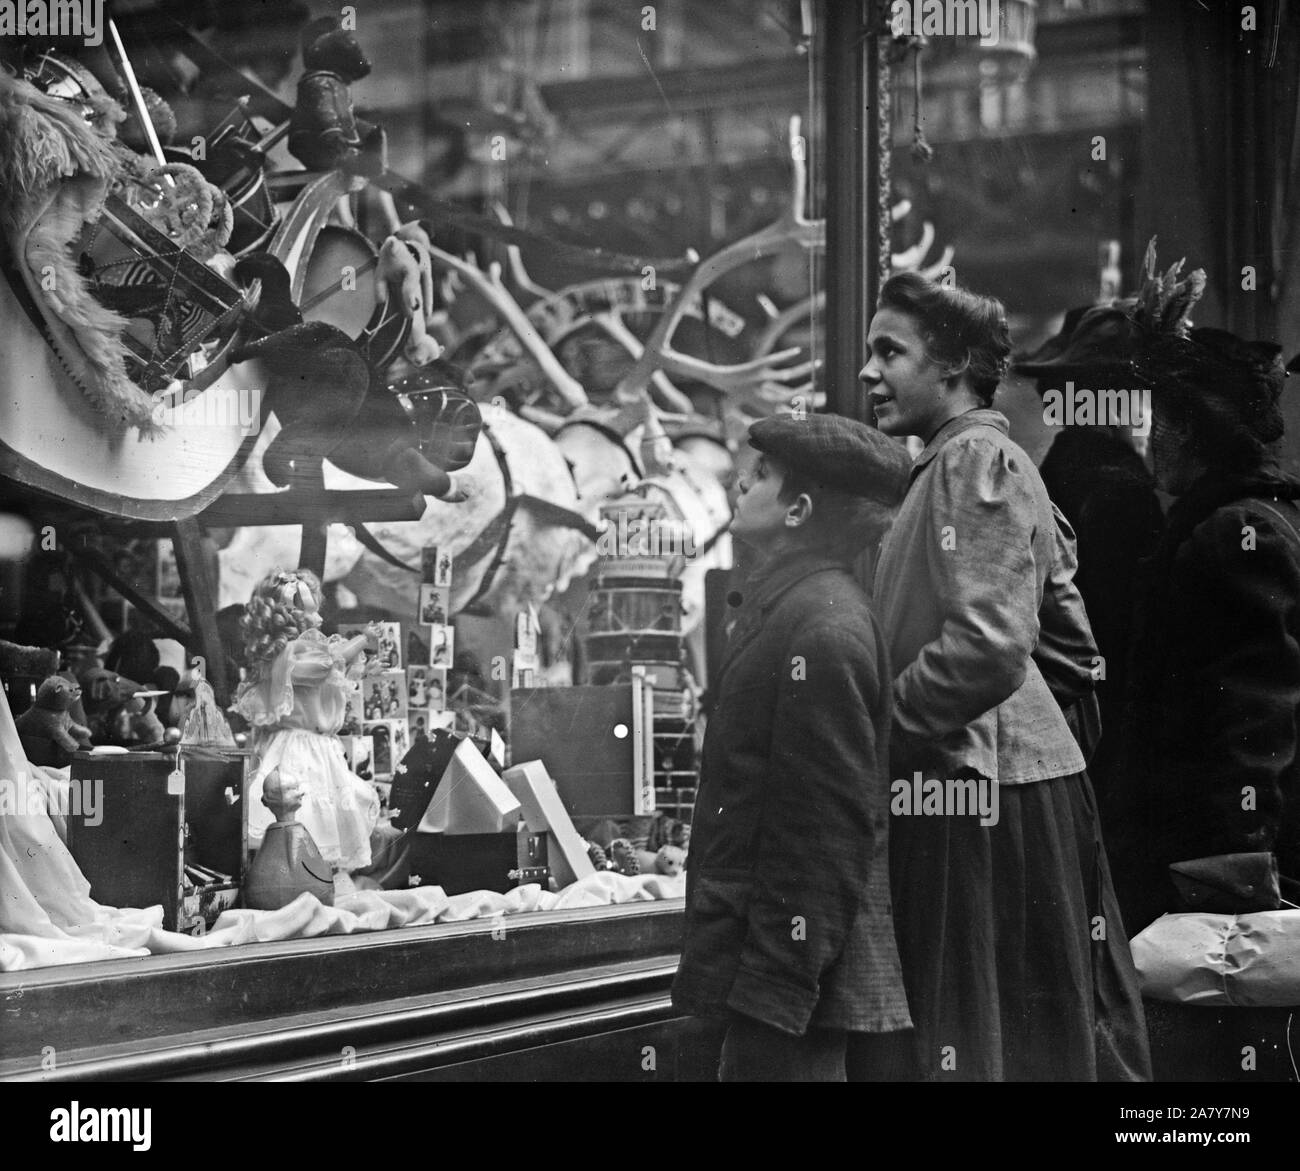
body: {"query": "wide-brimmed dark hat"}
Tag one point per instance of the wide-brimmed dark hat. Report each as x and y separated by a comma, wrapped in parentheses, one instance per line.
(1098, 340)
(1102, 341)
(1053, 346)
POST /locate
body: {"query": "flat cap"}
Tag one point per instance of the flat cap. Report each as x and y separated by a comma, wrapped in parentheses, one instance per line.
(838, 453)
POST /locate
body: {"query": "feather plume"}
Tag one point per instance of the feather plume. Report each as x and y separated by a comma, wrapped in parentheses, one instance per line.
(1162, 303)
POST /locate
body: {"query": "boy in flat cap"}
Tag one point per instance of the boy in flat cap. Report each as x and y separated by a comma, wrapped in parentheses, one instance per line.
(789, 932)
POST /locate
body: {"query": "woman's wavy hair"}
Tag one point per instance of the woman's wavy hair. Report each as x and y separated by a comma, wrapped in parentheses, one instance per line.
(961, 329)
(274, 618)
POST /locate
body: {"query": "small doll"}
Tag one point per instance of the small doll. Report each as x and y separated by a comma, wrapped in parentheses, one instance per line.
(295, 697)
(324, 132)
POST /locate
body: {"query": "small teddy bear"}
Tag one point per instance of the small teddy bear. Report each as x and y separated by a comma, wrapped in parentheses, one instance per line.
(597, 855)
(623, 858)
(670, 860)
(50, 716)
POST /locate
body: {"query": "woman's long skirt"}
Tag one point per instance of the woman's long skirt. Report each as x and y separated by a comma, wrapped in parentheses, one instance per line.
(1016, 962)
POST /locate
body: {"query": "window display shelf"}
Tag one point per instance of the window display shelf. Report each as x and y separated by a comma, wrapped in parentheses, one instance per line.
(461, 1000)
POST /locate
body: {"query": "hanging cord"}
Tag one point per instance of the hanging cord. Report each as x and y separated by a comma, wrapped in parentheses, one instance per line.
(808, 44)
(922, 151)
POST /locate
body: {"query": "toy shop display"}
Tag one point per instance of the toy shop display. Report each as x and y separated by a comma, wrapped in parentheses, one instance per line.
(158, 273)
(294, 697)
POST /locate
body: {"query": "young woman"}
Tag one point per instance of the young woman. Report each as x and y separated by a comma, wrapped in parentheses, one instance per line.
(1015, 959)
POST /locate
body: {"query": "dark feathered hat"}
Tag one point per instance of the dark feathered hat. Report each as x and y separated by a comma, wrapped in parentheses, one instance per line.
(1101, 341)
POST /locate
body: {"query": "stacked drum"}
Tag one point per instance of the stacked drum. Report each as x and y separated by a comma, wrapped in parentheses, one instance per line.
(634, 619)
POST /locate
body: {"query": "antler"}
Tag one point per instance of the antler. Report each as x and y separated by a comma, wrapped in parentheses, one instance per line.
(944, 261)
(515, 258)
(910, 259)
(782, 320)
(493, 289)
(761, 378)
(613, 325)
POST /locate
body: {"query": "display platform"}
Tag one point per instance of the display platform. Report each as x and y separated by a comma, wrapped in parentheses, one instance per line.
(563, 995)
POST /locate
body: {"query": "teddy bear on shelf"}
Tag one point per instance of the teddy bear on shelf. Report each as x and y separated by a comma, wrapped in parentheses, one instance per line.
(50, 716)
(324, 133)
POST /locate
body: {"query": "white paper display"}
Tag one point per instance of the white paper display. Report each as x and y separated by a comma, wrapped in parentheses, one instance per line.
(471, 798)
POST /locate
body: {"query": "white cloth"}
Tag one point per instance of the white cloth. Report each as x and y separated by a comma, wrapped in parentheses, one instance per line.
(46, 913)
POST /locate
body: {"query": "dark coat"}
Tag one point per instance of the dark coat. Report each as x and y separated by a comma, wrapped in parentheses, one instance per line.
(788, 916)
(1214, 691)
(1106, 493)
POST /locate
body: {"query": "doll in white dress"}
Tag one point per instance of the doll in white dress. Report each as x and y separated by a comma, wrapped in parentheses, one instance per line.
(295, 697)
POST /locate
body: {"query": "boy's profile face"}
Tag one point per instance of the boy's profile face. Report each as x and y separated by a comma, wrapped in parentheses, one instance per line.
(759, 517)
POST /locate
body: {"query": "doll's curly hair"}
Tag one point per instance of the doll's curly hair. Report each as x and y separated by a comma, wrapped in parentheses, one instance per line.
(274, 618)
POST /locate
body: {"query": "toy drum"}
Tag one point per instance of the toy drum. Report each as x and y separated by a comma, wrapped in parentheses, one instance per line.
(628, 620)
(256, 217)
